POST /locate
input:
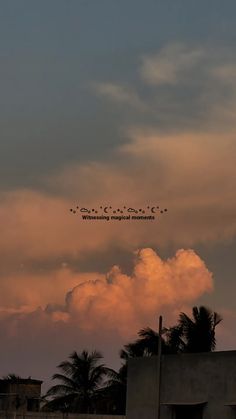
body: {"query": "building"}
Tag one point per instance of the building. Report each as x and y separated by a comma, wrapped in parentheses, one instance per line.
(20, 395)
(193, 386)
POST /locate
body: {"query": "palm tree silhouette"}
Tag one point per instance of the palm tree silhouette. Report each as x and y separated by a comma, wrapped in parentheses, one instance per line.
(196, 334)
(80, 381)
(188, 335)
(145, 345)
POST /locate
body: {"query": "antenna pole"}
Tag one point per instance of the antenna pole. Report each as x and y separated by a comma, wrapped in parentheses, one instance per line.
(159, 368)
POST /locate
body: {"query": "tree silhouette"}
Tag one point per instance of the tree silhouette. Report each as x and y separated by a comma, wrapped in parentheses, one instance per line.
(196, 334)
(145, 345)
(80, 381)
(88, 386)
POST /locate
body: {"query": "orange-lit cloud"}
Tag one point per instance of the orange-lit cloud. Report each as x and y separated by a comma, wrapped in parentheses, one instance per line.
(46, 317)
(117, 301)
(127, 302)
(23, 291)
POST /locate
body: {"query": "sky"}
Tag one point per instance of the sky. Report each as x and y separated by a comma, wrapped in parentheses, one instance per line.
(113, 103)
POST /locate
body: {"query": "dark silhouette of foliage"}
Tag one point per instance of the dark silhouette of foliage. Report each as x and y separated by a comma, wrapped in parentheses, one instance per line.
(145, 345)
(196, 334)
(88, 386)
(79, 384)
(112, 398)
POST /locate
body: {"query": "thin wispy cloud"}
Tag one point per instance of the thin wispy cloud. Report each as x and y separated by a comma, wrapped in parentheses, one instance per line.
(170, 64)
(120, 94)
(183, 85)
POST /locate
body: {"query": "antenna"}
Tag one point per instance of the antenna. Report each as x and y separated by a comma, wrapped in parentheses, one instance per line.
(159, 368)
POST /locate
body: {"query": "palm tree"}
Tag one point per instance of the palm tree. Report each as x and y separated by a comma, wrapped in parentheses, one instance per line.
(189, 335)
(146, 345)
(196, 334)
(80, 381)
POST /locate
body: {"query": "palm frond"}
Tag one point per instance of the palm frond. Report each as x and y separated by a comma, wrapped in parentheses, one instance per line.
(64, 379)
(60, 390)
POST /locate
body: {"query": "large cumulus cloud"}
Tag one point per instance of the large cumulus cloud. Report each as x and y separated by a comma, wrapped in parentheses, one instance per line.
(101, 311)
(126, 302)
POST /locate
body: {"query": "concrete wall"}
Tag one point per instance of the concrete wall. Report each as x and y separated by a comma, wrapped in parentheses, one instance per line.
(141, 388)
(186, 378)
(44, 415)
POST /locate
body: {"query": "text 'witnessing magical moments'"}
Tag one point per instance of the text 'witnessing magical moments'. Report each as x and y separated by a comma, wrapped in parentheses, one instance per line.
(125, 213)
